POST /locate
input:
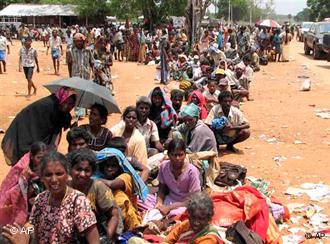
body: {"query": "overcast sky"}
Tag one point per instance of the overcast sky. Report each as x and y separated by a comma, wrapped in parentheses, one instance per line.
(289, 6)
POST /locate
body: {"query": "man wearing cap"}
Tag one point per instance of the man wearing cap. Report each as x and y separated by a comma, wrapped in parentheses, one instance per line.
(237, 127)
(219, 74)
(55, 44)
(197, 135)
(147, 127)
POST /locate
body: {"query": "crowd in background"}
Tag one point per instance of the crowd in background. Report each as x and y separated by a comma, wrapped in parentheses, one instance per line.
(139, 175)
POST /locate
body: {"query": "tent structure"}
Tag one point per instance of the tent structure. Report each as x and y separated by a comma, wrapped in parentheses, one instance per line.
(39, 13)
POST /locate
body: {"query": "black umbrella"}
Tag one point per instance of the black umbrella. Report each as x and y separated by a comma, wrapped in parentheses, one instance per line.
(88, 93)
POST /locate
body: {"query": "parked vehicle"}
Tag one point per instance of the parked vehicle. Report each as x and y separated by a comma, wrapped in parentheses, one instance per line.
(326, 45)
(313, 40)
(304, 29)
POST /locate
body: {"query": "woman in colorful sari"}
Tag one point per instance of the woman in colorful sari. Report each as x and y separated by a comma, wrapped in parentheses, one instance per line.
(178, 179)
(42, 120)
(198, 99)
(119, 175)
(136, 145)
(83, 165)
(196, 229)
(20, 186)
(162, 112)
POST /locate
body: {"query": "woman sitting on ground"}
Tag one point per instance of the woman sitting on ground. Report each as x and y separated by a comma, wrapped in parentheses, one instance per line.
(162, 112)
(118, 174)
(178, 179)
(21, 186)
(198, 99)
(83, 165)
(100, 136)
(196, 229)
(136, 146)
(60, 213)
(195, 133)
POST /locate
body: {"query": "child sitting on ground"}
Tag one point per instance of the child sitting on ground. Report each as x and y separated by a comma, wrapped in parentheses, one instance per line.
(211, 94)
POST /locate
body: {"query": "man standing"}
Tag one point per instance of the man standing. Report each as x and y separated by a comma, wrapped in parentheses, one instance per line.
(79, 58)
(80, 62)
(55, 44)
(243, 41)
(142, 47)
(28, 58)
(23, 33)
(163, 46)
(3, 45)
(236, 128)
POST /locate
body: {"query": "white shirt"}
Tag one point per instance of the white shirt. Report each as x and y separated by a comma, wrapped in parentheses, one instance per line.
(149, 131)
(55, 42)
(3, 43)
(28, 56)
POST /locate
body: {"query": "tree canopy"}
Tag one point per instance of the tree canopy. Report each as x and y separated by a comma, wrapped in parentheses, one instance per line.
(319, 9)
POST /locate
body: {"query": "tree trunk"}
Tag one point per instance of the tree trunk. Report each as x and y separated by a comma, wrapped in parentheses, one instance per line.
(195, 13)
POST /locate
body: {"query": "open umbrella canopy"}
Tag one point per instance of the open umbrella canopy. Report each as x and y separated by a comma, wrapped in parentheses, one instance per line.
(268, 23)
(88, 93)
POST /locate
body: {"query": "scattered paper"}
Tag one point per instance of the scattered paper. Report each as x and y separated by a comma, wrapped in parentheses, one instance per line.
(293, 238)
(279, 160)
(323, 113)
(294, 191)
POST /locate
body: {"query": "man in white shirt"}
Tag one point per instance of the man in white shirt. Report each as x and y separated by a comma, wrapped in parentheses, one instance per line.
(3, 45)
(236, 128)
(147, 127)
(55, 44)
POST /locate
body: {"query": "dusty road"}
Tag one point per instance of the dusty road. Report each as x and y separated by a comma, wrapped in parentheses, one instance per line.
(279, 112)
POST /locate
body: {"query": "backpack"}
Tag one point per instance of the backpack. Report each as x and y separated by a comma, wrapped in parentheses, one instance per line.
(230, 175)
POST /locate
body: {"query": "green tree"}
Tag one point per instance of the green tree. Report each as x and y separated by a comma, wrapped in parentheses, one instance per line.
(239, 8)
(320, 9)
(160, 10)
(304, 15)
(127, 9)
(92, 10)
(95, 11)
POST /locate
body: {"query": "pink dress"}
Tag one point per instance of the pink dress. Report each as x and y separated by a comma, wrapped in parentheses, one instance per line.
(58, 224)
(179, 189)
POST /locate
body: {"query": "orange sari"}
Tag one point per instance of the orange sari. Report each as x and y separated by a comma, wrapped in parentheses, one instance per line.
(181, 233)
